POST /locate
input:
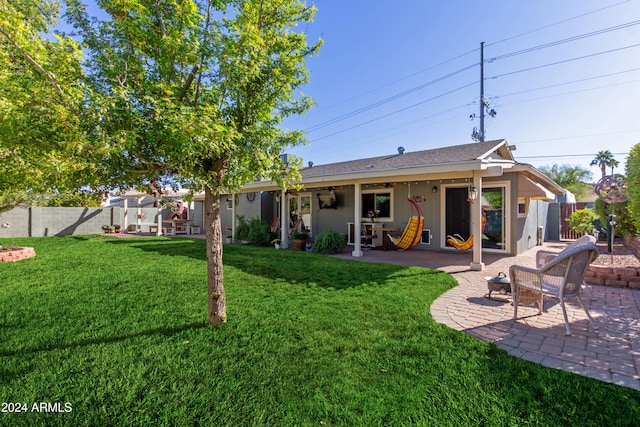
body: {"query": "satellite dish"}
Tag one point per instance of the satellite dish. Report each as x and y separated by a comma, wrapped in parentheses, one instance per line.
(612, 189)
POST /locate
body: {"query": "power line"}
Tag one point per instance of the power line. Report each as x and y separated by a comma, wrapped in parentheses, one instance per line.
(396, 111)
(400, 79)
(474, 50)
(567, 156)
(572, 82)
(567, 40)
(414, 89)
(565, 61)
(578, 136)
(386, 100)
(371, 106)
(556, 23)
(571, 92)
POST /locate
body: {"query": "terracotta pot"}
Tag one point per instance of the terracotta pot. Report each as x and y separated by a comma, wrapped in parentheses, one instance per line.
(299, 245)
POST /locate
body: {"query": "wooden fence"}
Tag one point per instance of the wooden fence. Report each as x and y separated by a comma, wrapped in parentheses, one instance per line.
(566, 209)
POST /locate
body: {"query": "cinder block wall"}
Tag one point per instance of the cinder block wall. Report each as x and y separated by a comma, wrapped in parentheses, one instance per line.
(45, 221)
(15, 223)
(70, 221)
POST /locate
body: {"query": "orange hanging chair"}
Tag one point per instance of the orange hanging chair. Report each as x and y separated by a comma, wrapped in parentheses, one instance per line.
(413, 231)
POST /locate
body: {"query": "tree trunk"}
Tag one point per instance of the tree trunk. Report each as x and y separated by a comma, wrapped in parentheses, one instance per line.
(215, 286)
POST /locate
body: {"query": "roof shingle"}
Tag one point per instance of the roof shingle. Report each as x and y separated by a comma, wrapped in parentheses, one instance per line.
(451, 154)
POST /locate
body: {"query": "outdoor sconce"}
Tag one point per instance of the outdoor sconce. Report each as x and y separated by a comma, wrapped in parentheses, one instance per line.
(434, 189)
(473, 192)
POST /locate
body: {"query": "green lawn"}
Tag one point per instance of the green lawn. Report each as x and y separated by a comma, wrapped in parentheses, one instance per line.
(117, 328)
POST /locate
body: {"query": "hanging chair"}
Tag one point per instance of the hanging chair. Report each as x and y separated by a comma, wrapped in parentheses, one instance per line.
(412, 232)
(464, 245)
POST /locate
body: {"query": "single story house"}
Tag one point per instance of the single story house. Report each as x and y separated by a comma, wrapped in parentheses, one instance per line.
(475, 189)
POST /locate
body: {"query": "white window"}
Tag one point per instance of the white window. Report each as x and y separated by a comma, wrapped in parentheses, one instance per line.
(523, 208)
(377, 204)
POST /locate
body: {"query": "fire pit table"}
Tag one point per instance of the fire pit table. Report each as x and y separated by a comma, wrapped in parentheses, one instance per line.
(500, 283)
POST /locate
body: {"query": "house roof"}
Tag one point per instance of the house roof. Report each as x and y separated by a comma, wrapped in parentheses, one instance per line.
(489, 150)
(489, 158)
(458, 161)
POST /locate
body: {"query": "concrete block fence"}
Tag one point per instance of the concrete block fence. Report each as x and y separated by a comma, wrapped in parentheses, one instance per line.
(46, 221)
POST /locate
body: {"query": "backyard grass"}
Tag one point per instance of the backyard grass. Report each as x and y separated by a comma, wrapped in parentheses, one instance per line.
(117, 329)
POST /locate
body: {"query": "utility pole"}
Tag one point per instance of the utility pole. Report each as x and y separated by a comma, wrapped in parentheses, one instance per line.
(481, 136)
(485, 108)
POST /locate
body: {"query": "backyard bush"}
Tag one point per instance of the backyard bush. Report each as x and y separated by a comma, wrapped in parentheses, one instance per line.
(632, 177)
(625, 224)
(117, 328)
(241, 233)
(581, 220)
(329, 242)
(259, 233)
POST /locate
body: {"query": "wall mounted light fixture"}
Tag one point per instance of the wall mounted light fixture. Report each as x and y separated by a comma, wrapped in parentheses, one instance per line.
(473, 192)
(434, 189)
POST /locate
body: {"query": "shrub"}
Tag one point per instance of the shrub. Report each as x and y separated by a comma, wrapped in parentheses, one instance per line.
(581, 221)
(329, 242)
(632, 177)
(625, 224)
(259, 233)
(242, 229)
(299, 235)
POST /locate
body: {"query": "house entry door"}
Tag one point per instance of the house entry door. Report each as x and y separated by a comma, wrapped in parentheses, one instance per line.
(300, 207)
(457, 213)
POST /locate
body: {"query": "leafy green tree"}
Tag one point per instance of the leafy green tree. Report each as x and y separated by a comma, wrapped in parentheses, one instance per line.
(194, 93)
(605, 159)
(573, 178)
(85, 199)
(42, 145)
(632, 176)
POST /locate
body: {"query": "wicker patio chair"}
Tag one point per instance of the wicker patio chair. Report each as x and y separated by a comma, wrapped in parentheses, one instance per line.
(543, 257)
(559, 279)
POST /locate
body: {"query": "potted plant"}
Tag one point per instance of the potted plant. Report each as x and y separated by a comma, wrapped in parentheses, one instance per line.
(299, 240)
(117, 228)
(276, 243)
(105, 228)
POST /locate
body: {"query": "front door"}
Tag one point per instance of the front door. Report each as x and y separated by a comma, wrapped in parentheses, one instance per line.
(300, 207)
(457, 213)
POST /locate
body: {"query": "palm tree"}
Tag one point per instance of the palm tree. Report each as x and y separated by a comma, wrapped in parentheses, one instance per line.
(604, 159)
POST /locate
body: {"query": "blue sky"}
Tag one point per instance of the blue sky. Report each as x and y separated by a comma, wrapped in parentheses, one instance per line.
(407, 74)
